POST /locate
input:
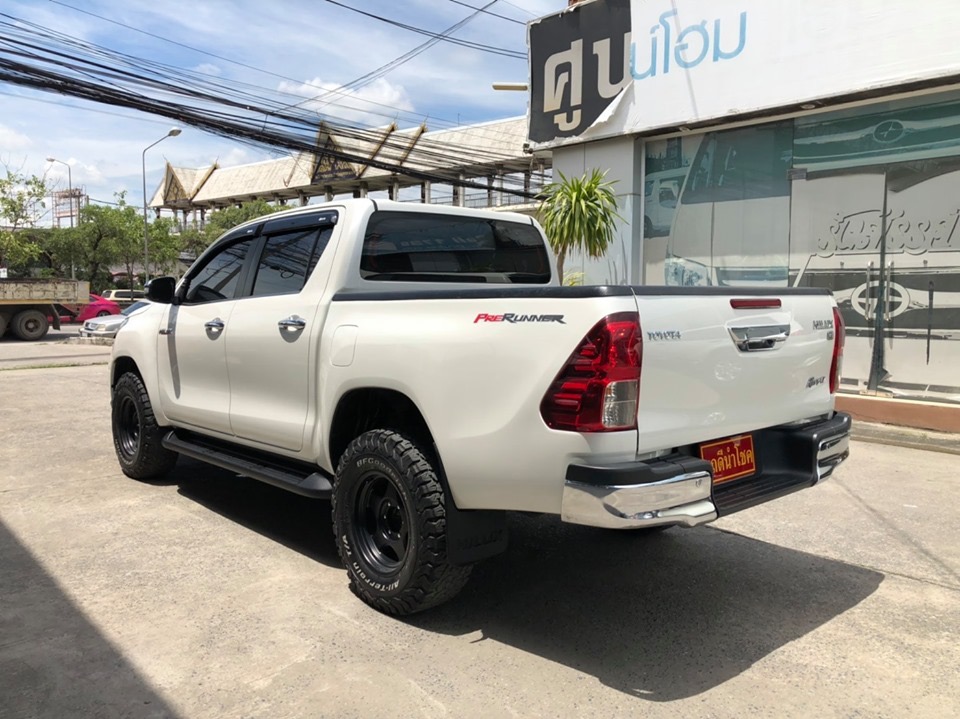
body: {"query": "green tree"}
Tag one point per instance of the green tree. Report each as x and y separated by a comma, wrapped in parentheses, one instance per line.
(165, 245)
(54, 258)
(224, 219)
(579, 214)
(193, 241)
(126, 238)
(107, 236)
(19, 197)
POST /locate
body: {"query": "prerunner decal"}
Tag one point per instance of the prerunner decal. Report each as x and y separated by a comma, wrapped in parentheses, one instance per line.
(513, 319)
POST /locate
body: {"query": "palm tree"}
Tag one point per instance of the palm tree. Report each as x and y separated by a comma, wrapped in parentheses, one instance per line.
(579, 214)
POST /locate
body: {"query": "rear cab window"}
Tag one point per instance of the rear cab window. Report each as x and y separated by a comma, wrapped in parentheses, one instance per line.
(428, 247)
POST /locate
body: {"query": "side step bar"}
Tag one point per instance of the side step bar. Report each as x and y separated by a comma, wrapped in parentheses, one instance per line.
(290, 476)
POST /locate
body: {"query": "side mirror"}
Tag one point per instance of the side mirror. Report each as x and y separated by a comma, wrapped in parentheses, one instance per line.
(161, 289)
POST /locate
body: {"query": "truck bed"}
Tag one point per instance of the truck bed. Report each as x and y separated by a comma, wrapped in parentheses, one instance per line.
(40, 291)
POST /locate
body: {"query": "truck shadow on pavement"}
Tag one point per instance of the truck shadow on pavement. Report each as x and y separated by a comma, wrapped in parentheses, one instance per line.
(300, 523)
(54, 662)
(658, 616)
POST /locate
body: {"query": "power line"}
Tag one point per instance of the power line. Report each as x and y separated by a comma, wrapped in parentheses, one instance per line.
(406, 57)
(506, 52)
(488, 12)
(238, 63)
(521, 9)
(129, 77)
(83, 108)
(221, 116)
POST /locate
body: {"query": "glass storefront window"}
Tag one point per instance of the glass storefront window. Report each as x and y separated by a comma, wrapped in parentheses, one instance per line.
(865, 202)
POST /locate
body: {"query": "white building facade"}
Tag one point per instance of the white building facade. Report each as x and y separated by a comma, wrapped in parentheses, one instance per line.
(775, 143)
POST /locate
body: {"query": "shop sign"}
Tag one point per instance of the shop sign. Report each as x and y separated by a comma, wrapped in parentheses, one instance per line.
(614, 67)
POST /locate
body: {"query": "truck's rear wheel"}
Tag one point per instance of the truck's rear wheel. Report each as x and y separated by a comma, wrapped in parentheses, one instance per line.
(136, 435)
(30, 325)
(389, 519)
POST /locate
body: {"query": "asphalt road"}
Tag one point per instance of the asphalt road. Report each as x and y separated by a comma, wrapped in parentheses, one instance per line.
(215, 596)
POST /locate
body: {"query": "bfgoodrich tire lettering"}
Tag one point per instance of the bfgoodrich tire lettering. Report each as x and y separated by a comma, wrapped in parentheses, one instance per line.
(136, 435)
(389, 520)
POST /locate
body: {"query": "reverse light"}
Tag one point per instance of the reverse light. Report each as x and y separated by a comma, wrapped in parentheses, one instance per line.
(598, 388)
(839, 336)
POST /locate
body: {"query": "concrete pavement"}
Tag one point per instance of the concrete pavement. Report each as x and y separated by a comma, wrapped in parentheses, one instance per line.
(59, 348)
(216, 596)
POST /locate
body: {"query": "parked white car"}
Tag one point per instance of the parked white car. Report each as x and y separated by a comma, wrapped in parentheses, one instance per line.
(109, 325)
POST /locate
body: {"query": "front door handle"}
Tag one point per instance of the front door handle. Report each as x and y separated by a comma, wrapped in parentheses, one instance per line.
(759, 339)
(293, 323)
(215, 325)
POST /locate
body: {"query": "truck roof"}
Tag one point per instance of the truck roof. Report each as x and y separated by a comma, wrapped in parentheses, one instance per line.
(393, 206)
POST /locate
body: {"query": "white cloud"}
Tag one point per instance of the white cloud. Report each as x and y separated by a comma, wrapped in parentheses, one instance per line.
(380, 96)
(13, 141)
(88, 173)
(208, 68)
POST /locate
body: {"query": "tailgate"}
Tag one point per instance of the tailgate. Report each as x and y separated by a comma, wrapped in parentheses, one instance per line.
(711, 371)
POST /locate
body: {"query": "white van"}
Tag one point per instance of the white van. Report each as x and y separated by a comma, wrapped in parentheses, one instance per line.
(661, 192)
(732, 224)
(123, 297)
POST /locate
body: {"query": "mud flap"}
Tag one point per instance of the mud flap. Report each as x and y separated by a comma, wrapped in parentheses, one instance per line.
(472, 534)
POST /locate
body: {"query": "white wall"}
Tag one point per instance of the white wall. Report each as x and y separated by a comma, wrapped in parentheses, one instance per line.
(622, 159)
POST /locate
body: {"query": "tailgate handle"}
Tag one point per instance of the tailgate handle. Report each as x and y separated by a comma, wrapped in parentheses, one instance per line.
(759, 339)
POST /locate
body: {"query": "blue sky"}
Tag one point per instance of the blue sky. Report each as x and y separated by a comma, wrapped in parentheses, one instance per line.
(304, 47)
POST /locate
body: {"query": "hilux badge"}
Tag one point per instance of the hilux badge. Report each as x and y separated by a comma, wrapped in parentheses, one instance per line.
(662, 335)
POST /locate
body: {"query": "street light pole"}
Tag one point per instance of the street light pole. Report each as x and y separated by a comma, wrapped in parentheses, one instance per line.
(73, 267)
(173, 132)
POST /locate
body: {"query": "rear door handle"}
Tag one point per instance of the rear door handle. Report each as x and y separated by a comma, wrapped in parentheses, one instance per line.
(759, 339)
(215, 325)
(293, 323)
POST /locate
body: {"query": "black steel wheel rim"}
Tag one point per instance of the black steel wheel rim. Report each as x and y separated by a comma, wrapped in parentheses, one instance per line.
(127, 426)
(381, 524)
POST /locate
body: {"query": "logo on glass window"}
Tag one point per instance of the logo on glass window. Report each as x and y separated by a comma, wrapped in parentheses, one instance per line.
(888, 131)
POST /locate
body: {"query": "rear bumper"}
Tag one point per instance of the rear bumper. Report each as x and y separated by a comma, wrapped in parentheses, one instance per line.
(678, 489)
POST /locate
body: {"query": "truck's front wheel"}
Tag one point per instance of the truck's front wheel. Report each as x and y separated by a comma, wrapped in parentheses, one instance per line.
(389, 519)
(136, 435)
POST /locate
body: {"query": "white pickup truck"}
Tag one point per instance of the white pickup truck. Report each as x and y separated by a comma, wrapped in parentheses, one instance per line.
(421, 367)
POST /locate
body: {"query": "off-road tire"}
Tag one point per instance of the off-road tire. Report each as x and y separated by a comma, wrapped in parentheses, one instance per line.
(390, 522)
(30, 325)
(136, 435)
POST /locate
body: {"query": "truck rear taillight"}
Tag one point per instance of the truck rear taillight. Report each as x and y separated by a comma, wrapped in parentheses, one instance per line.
(598, 388)
(839, 335)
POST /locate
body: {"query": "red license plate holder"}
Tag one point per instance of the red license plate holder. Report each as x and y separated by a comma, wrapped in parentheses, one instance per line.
(731, 458)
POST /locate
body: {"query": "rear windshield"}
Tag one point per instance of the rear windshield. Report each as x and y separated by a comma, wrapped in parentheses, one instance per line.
(424, 247)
